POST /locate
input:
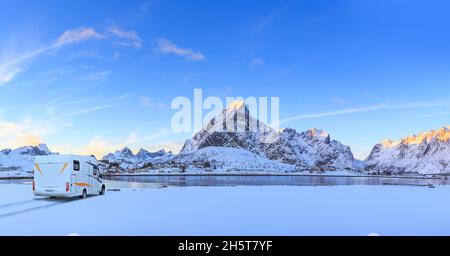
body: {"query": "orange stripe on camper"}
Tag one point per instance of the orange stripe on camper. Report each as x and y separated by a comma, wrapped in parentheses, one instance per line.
(64, 167)
(39, 169)
(81, 184)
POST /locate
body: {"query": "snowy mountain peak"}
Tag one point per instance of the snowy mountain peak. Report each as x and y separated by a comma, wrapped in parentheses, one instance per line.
(22, 159)
(5, 151)
(236, 105)
(40, 150)
(425, 153)
(312, 149)
(317, 133)
(388, 143)
(236, 118)
(142, 152)
(442, 135)
(125, 158)
(43, 147)
(126, 152)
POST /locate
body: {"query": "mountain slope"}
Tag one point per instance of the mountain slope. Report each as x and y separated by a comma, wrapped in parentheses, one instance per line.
(126, 160)
(425, 153)
(236, 128)
(226, 159)
(20, 161)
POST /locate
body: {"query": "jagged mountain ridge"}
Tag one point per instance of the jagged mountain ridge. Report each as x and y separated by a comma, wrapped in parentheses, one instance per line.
(425, 153)
(236, 128)
(21, 159)
(125, 159)
(230, 135)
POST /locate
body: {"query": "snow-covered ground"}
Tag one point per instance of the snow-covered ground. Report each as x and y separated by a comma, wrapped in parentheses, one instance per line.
(267, 210)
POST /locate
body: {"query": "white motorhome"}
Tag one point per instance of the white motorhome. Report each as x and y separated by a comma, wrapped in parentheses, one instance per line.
(67, 176)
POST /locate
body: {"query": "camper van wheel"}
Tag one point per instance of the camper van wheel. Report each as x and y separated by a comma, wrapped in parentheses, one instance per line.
(84, 195)
(103, 191)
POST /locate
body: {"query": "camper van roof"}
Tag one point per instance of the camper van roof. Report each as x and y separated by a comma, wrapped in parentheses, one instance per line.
(63, 158)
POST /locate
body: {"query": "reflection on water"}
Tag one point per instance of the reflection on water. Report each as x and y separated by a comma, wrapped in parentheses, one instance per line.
(16, 181)
(138, 182)
(184, 181)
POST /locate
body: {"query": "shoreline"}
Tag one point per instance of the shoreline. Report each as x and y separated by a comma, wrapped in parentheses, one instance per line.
(274, 175)
(244, 175)
(17, 178)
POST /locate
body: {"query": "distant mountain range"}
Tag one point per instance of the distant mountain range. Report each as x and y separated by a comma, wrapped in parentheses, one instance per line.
(310, 150)
(235, 142)
(126, 160)
(250, 145)
(19, 162)
(426, 153)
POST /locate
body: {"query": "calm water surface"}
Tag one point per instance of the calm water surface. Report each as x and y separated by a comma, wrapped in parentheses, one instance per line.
(186, 181)
(117, 182)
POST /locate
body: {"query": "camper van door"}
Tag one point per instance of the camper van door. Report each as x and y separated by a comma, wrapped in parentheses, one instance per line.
(73, 181)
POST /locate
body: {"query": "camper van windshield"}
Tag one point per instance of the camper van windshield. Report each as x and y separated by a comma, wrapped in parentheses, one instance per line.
(76, 165)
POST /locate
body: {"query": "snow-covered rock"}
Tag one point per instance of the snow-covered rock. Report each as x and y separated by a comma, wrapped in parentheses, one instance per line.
(126, 160)
(124, 154)
(20, 160)
(236, 128)
(144, 155)
(425, 153)
(226, 159)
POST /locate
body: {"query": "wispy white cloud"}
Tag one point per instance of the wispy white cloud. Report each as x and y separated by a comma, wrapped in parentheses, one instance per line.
(97, 146)
(186, 77)
(13, 61)
(125, 96)
(29, 131)
(14, 135)
(145, 7)
(89, 110)
(7, 74)
(132, 138)
(98, 76)
(111, 104)
(166, 47)
(11, 66)
(128, 37)
(78, 35)
(366, 109)
(174, 146)
(158, 134)
(285, 71)
(257, 62)
(267, 20)
(146, 102)
(439, 114)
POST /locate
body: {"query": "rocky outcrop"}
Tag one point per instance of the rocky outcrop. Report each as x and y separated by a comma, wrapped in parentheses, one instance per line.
(425, 153)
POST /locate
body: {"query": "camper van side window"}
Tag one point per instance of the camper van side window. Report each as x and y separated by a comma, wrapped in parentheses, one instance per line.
(76, 165)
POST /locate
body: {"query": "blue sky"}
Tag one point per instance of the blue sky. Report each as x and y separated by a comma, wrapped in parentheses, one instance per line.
(91, 77)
